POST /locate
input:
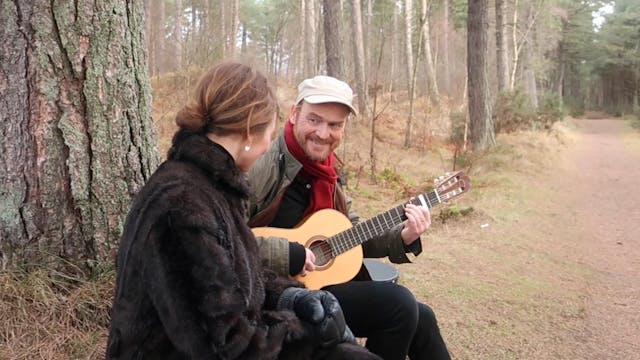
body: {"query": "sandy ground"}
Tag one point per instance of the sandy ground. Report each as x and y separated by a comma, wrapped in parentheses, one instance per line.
(598, 180)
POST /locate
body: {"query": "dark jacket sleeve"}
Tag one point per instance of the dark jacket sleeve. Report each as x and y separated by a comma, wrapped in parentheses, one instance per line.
(195, 290)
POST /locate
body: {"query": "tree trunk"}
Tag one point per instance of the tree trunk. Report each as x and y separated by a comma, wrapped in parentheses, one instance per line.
(393, 50)
(561, 71)
(502, 58)
(408, 10)
(358, 59)
(561, 64)
(310, 39)
(374, 115)
(177, 35)
(446, 28)
(333, 38)
(426, 48)
(481, 125)
(514, 39)
(148, 35)
(532, 88)
(222, 22)
(301, 42)
(156, 38)
(233, 29)
(78, 140)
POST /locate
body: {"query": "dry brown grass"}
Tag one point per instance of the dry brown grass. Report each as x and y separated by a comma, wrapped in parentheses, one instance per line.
(44, 315)
(495, 288)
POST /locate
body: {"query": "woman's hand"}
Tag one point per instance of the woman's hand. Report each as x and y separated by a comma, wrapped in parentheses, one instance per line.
(320, 311)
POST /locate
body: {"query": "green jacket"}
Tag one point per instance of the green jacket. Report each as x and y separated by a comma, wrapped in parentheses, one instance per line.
(269, 177)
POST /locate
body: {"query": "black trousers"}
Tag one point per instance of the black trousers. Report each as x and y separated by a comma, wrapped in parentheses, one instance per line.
(394, 323)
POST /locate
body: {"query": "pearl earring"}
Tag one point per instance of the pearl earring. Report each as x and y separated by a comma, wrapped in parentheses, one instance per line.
(247, 148)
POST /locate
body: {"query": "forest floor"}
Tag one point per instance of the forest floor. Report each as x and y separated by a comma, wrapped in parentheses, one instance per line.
(548, 264)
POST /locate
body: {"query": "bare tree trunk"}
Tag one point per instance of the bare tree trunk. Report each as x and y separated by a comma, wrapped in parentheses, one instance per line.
(408, 11)
(519, 43)
(374, 117)
(310, 39)
(302, 44)
(532, 88)
(78, 140)
(233, 29)
(636, 90)
(514, 39)
(156, 38)
(481, 125)
(561, 70)
(358, 59)
(446, 28)
(333, 38)
(215, 48)
(502, 58)
(177, 35)
(223, 29)
(426, 48)
(395, 39)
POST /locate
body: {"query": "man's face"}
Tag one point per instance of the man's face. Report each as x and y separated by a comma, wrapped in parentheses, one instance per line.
(319, 128)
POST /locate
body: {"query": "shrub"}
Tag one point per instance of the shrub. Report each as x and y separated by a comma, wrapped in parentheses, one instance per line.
(458, 122)
(513, 111)
(575, 107)
(549, 110)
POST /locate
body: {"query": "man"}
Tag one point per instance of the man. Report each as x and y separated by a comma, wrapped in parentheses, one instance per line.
(295, 178)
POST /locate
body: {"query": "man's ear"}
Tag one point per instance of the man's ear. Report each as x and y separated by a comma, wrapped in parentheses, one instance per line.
(293, 114)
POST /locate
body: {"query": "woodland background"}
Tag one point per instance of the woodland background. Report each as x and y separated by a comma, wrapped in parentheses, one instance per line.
(88, 91)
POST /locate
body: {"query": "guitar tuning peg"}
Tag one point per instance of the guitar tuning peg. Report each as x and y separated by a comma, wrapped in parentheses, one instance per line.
(436, 181)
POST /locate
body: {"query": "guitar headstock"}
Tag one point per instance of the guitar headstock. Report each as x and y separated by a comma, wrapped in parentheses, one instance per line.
(451, 185)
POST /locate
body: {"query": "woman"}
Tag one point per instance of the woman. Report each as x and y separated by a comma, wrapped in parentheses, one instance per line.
(189, 280)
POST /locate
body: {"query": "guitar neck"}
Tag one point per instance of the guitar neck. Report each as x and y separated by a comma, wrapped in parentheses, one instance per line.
(378, 224)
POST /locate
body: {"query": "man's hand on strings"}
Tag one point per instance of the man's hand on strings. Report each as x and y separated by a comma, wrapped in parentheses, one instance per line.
(418, 221)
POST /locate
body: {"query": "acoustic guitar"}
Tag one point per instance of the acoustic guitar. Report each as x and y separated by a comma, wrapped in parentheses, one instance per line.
(336, 242)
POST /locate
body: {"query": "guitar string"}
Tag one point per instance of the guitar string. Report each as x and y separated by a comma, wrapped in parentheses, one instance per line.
(350, 241)
(432, 198)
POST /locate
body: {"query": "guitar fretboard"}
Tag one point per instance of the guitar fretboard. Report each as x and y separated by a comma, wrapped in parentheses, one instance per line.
(378, 224)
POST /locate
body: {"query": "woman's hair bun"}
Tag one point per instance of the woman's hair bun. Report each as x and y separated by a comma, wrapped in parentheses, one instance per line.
(191, 118)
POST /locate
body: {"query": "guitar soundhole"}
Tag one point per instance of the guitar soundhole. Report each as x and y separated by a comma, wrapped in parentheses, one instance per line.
(322, 251)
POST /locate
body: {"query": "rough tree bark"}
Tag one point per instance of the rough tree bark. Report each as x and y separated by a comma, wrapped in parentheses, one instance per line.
(480, 123)
(333, 38)
(77, 137)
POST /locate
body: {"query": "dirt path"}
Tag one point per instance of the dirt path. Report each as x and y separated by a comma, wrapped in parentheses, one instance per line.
(599, 184)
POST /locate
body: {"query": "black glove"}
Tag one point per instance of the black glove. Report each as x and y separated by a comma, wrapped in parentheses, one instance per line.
(320, 309)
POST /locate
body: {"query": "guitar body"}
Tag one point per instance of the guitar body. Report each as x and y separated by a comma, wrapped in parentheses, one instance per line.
(313, 233)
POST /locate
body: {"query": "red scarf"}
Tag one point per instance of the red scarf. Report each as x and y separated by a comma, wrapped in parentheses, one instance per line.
(321, 173)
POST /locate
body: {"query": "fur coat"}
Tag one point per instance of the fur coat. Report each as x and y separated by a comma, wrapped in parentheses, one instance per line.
(189, 283)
